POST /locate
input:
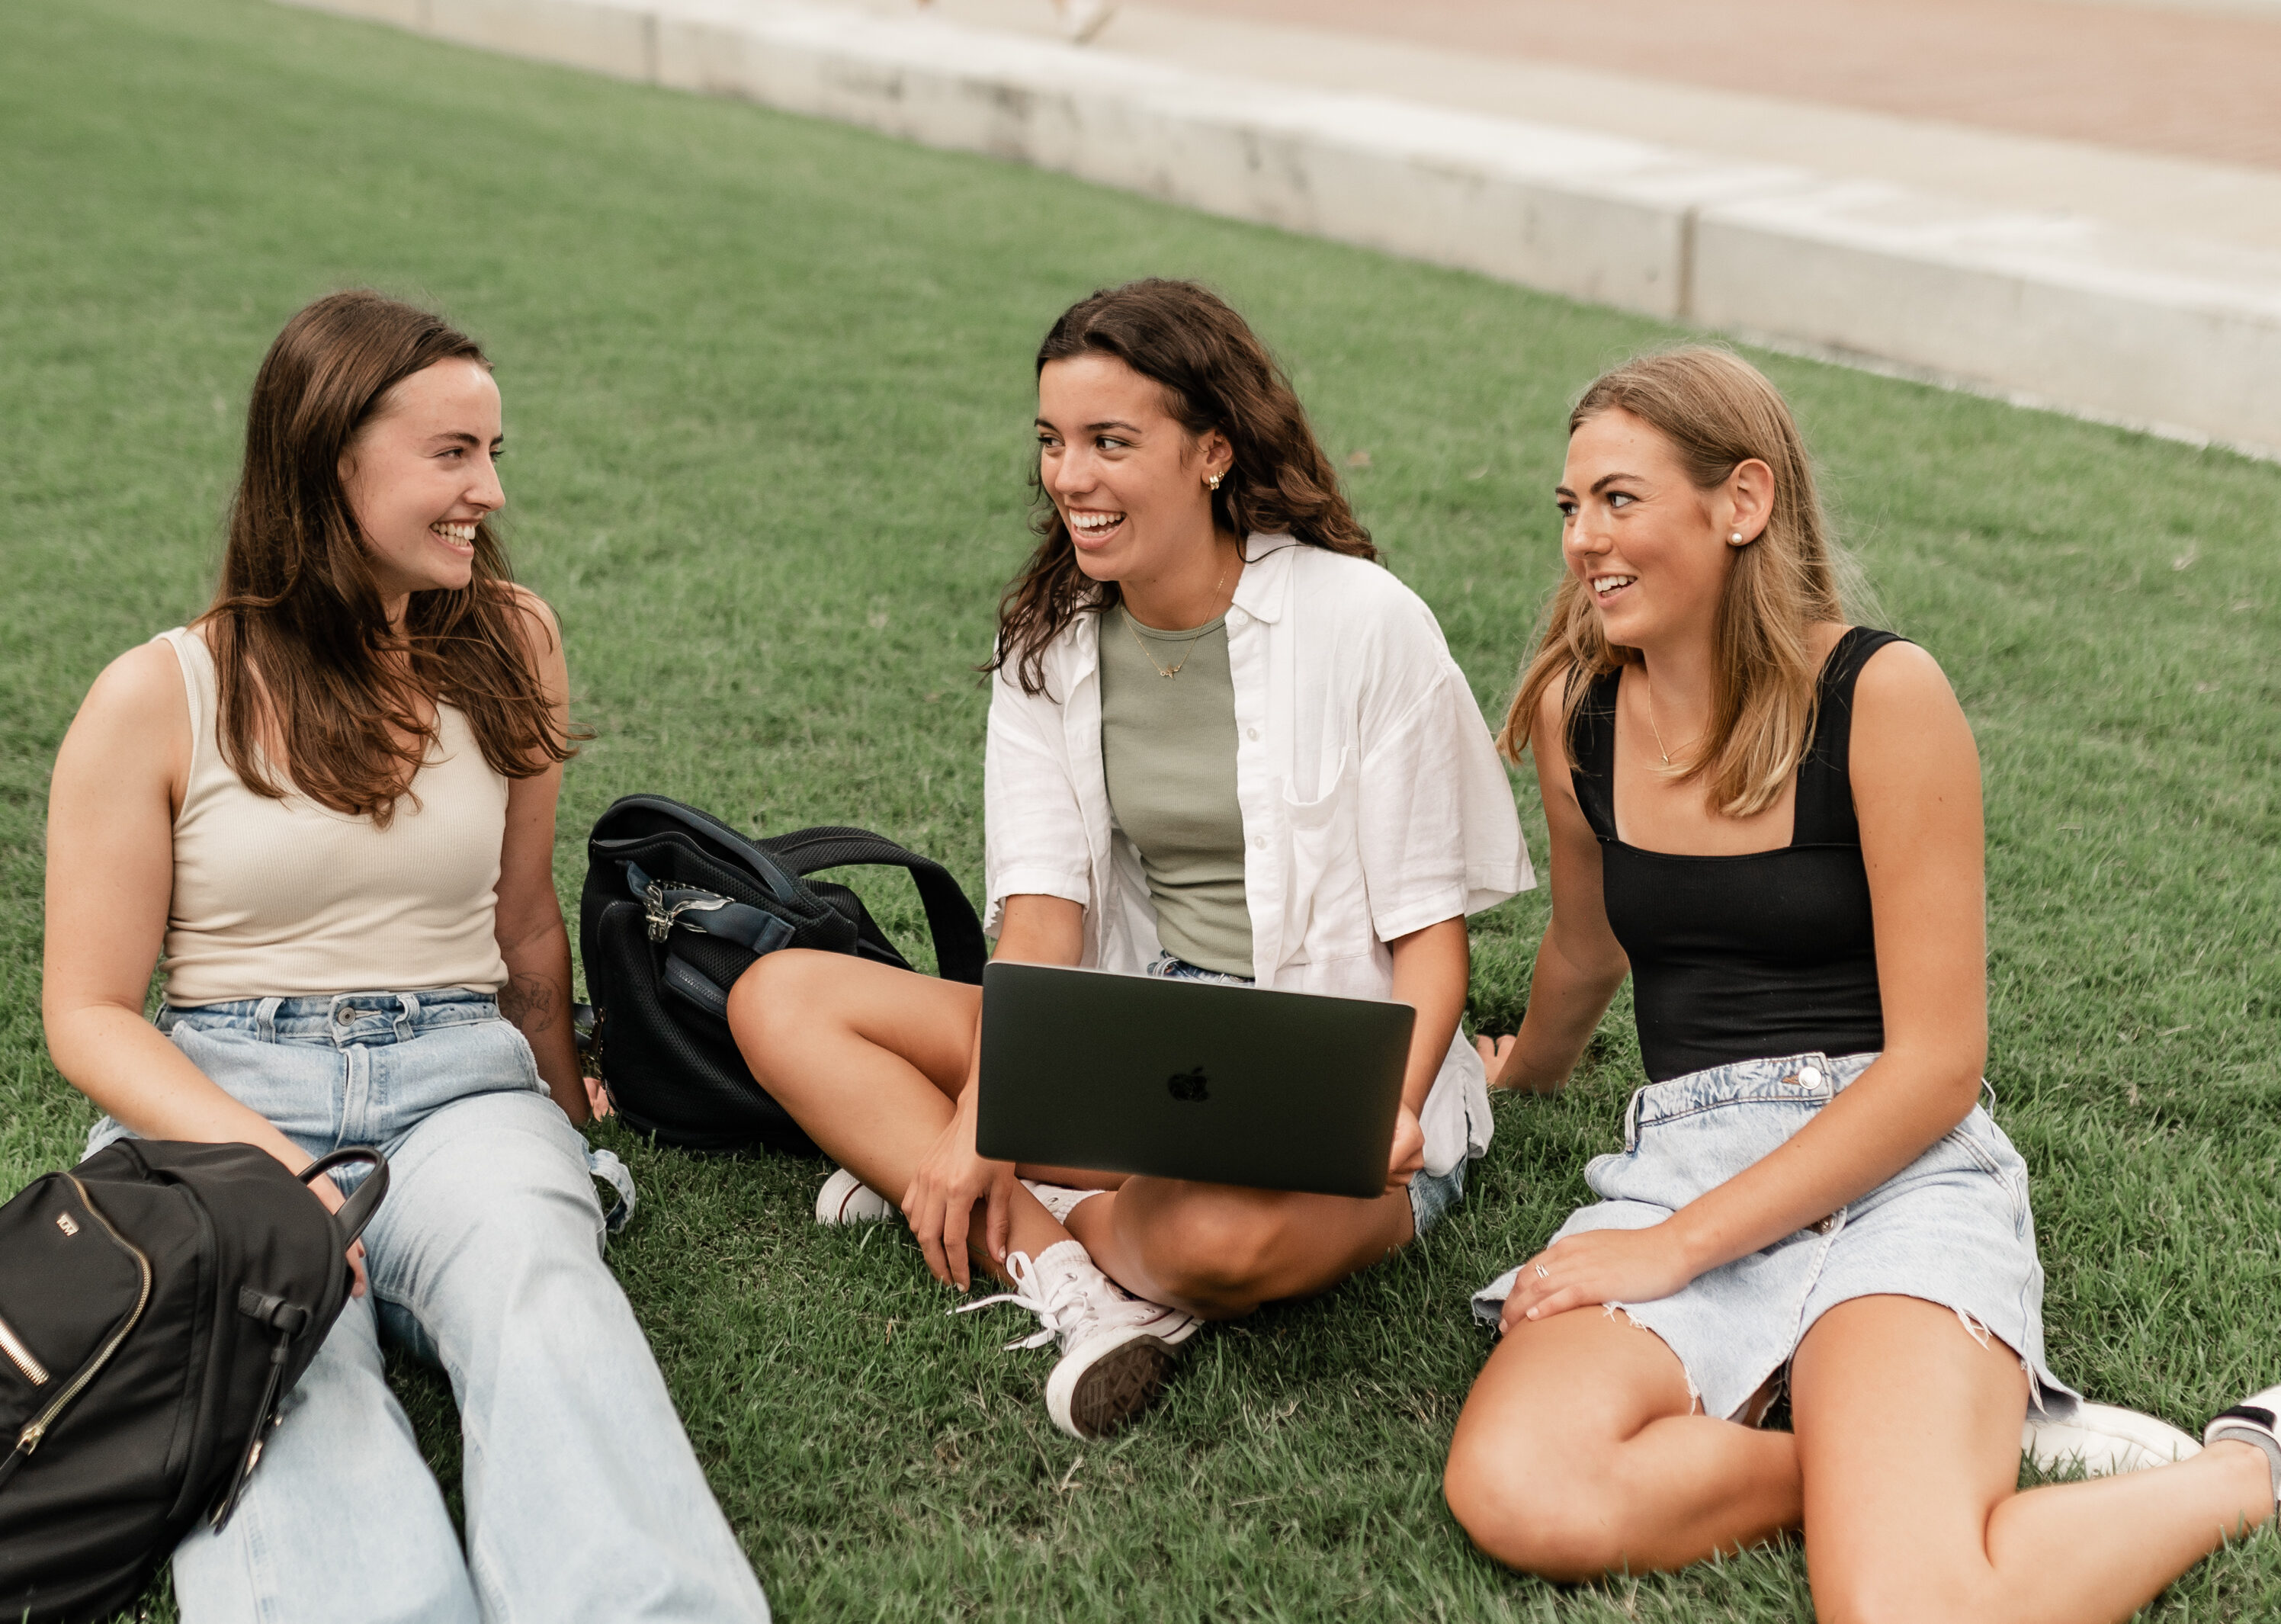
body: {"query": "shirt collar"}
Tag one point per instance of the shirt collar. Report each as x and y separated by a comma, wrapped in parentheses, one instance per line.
(1265, 581)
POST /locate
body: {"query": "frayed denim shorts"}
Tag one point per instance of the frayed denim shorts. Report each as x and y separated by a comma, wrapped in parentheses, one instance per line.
(1431, 1195)
(1952, 1228)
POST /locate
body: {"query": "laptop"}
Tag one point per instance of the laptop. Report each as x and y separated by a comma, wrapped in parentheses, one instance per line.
(1189, 1080)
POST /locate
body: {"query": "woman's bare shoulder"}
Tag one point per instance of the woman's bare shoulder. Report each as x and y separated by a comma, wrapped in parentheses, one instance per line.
(143, 686)
(1901, 673)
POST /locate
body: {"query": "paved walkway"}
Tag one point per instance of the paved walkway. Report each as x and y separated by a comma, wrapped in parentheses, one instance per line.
(2186, 82)
(1403, 50)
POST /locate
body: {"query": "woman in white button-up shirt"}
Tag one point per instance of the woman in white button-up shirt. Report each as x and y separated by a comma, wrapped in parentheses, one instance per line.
(1186, 492)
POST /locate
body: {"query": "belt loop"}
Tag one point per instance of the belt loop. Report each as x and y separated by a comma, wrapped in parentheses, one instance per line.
(1631, 1121)
(407, 1013)
(265, 1019)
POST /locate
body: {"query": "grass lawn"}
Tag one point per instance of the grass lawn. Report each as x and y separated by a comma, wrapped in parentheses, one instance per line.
(766, 386)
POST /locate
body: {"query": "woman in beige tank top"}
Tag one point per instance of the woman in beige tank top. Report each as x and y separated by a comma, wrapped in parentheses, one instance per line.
(329, 803)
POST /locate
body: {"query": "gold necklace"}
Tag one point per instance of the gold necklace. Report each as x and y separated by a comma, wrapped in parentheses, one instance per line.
(1148, 654)
(1649, 695)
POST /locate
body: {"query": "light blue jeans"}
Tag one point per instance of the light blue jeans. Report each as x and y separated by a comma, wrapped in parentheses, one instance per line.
(584, 1499)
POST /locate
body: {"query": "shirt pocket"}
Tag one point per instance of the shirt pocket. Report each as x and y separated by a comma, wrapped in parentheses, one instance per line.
(1326, 912)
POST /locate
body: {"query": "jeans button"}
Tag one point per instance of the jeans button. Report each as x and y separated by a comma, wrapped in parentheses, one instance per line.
(1808, 1077)
(344, 1015)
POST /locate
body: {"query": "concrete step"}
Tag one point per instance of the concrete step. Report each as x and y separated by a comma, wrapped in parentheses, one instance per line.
(2156, 331)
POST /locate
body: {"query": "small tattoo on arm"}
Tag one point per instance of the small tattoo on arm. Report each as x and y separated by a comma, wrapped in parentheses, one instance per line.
(529, 1001)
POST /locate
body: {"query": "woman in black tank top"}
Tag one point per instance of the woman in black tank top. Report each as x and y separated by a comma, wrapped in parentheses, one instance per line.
(1770, 821)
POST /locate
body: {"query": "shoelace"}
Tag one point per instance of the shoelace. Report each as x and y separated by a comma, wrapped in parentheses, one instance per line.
(1058, 1306)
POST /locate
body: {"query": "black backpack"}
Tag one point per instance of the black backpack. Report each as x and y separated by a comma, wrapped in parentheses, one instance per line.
(677, 906)
(157, 1303)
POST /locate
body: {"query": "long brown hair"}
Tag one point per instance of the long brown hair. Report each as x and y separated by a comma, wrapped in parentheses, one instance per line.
(1215, 374)
(301, 639)
(1718, 412)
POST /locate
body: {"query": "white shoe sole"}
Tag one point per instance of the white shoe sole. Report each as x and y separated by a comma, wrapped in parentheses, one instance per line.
(845, 1199)
(1106, 1381)
(2106, 1440)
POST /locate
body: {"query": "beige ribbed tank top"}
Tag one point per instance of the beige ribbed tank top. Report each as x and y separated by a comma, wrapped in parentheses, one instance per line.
(287, 898)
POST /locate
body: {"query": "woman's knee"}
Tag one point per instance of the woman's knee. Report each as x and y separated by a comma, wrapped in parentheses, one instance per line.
(1211, 1249)
(1524, 1507)
(785, 998)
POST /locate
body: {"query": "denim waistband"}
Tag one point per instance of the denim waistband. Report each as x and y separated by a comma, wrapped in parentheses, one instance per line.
(1790, 1079)
(365, 1019)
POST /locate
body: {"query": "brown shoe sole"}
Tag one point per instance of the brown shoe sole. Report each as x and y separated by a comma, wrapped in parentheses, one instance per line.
(1119, 1386)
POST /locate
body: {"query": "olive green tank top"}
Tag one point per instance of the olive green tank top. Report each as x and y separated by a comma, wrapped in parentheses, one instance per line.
(1168, 749)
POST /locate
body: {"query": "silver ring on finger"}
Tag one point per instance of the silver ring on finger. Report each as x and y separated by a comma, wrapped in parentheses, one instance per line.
(1543, 1272)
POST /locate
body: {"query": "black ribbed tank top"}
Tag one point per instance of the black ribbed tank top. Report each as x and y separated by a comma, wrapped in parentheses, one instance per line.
(1747, 957)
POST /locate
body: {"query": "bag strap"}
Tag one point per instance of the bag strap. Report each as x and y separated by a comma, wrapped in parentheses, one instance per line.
(357, 1211)
(959, 950)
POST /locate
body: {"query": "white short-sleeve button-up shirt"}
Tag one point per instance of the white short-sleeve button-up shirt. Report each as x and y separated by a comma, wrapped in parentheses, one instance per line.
(1373, 803)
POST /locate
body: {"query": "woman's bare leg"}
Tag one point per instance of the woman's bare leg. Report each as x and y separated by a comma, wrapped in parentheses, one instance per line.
(1579, 1454)
(1908, 1434)
(869, 1060)
(1220, 1251)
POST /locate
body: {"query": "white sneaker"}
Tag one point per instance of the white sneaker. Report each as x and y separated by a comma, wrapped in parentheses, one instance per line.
(845, 1199)
(1081, 20)
(2104, 1440)
(2252, 1420)
(1058, 1199)
(1117, 1349)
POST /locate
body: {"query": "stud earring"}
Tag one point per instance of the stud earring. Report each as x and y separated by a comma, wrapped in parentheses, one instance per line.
(1213, 481)
(1735, 539)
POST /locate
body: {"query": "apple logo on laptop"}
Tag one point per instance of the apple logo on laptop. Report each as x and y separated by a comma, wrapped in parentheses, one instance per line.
(1190, 1087)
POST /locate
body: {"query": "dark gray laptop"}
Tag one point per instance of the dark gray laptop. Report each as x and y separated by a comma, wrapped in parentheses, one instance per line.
(1189, 1080)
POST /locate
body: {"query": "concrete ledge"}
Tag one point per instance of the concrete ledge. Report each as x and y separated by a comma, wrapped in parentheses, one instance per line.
(2178, 338)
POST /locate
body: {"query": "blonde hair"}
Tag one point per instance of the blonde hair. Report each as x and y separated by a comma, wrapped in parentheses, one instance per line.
(1718, 412)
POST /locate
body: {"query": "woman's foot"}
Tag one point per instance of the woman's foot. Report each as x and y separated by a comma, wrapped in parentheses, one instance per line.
(2104, 1439)
(1117, 1349)
(845, 1199)
(2256, 1420)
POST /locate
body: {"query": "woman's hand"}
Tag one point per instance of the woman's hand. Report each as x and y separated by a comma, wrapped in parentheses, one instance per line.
(326, 1191)
(598, 1099)
(1493, 1052)
(939, 1204)
(1409, 1155)
(1600, 1265)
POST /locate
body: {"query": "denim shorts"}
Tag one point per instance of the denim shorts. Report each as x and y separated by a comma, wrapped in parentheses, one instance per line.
(1952, 1228)
(1431, 1195)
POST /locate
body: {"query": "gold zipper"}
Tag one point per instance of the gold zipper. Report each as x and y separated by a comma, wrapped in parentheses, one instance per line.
(20, 1357)
(36, 1428)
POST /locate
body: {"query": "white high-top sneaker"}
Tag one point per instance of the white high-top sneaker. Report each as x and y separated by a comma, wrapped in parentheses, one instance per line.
(845, 1199)
(1117, 1349)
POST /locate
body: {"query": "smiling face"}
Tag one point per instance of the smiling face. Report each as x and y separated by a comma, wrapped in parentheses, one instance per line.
(1127, 478)
(420, 476)
(1652, 550)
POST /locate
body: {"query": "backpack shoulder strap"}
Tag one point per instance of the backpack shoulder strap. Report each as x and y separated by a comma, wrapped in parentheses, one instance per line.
(959, 949)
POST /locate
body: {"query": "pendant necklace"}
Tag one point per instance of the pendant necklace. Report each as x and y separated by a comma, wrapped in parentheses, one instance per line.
(1650, 696)
(1151, 656)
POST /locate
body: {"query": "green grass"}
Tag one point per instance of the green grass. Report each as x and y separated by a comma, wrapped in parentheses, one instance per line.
(766, 384)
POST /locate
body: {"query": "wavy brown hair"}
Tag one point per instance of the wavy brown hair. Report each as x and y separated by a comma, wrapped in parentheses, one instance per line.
(1718, 412)
(306, 656)
(1215, 374)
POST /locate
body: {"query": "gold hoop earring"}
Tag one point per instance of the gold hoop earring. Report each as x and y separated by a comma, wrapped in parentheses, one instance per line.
(1212, 480)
